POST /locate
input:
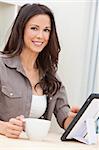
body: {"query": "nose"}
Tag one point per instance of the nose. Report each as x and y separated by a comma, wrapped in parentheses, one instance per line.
(40, 34)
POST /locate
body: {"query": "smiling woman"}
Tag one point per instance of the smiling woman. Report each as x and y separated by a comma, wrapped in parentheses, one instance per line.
(29, 85)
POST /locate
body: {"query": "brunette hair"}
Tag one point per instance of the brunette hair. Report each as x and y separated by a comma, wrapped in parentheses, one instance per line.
(48, 58)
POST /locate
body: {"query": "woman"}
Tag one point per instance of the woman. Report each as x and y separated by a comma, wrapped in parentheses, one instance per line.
(29, 86)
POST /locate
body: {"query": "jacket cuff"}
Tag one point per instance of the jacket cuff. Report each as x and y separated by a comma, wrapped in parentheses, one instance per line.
(62, 114)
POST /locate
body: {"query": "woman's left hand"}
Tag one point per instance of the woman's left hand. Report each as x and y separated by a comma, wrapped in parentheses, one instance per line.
(72, 113)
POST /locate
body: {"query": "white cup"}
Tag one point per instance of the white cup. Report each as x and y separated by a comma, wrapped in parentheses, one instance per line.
(36, 129)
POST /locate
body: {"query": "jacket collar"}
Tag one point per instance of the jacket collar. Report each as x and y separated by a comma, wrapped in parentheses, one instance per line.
(14, 63)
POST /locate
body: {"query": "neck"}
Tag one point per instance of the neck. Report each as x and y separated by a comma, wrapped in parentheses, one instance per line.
(28, 59)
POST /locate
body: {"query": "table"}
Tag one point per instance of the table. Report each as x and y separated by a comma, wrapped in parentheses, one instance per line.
(52, 142)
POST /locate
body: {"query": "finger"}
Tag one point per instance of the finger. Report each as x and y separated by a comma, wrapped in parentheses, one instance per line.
(13, 132)
(9, 135)
(75, 109)
(14, 127)
(21, 117)
(15, 121)
(71, 114)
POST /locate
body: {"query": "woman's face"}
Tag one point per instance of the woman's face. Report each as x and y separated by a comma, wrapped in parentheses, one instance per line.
(37, 32)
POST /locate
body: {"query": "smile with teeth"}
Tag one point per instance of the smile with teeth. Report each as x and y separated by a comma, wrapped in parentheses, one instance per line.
(37, 43)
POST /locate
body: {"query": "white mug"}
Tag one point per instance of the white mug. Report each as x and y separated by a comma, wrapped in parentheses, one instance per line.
(36, 129)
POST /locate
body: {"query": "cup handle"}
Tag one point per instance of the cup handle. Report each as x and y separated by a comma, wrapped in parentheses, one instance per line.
(24, 121)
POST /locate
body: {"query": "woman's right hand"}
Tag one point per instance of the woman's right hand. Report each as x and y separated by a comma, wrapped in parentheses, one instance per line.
(14, 127)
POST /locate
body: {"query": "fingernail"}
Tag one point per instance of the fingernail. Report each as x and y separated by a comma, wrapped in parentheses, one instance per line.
(23, 119)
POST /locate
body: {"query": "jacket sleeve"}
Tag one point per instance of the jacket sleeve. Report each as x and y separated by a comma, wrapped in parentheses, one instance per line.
(0, 83)
(62, 107)
(0, 71)
(0, 77)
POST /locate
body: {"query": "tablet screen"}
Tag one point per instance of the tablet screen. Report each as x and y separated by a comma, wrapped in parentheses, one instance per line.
(90, 109)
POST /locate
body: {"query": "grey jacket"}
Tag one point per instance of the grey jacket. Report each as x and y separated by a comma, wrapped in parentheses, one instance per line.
(16, 93)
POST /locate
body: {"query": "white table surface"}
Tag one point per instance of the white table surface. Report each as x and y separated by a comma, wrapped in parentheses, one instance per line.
(51, 142)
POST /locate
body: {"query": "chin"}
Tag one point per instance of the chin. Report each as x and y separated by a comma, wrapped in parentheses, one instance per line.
(37, 51)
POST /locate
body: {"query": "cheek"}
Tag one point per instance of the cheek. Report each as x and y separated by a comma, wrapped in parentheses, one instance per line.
(28, 34)
(27, 37)
(47, 38)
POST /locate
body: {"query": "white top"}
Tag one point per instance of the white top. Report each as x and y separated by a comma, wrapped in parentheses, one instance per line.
(38, 106)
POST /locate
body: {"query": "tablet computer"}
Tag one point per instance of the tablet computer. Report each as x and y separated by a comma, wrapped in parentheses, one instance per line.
(90, 109)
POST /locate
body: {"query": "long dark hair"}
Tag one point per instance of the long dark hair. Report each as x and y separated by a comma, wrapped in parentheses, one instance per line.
(48, 58)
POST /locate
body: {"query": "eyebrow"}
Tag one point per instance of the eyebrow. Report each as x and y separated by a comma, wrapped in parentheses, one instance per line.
(48, 27)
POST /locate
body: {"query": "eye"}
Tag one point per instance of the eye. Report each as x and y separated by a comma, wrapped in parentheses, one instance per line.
(34, 28)
(47, 30)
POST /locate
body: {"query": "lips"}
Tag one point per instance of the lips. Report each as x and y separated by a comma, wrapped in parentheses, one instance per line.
(37, 43)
